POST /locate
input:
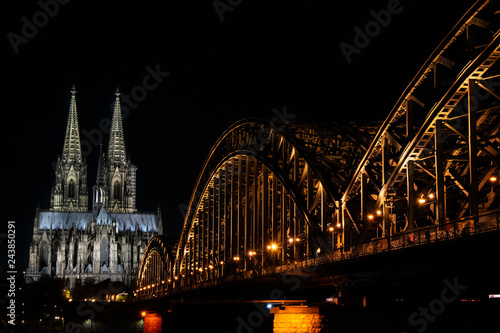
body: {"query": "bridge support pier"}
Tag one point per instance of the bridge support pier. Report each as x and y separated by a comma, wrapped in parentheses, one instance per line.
(153, 323)
(297, 318)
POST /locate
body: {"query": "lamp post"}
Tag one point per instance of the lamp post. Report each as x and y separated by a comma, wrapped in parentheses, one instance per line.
(251, 258)
(332, 230)
(273, 247)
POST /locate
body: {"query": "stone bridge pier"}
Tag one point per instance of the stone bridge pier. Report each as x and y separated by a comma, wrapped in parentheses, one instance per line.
(297, 318)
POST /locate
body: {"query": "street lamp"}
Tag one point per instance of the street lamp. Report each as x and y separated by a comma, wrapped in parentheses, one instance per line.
(332, 230)
(421, 200)
(273, 247)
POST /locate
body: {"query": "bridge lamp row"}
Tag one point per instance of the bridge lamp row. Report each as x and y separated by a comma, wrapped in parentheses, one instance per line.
(273, 247)
(331, 229)
(422, 200)
(371, 216)
(201, 269)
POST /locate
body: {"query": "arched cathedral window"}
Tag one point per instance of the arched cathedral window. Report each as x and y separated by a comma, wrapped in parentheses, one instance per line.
(44, 255)
(71, 189)
(104, 251)
(116, 191)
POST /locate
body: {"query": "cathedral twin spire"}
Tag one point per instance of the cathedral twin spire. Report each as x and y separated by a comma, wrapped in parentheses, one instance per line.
(72, 152)
(115, 177)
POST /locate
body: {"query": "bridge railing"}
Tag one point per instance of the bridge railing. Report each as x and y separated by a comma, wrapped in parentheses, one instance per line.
(431, 234)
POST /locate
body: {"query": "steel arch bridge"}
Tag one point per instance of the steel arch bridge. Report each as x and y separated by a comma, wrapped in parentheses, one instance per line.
(272, 193)
(155, 273)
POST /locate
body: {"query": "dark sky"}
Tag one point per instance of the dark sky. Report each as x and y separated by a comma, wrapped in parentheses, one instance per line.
(262, 55)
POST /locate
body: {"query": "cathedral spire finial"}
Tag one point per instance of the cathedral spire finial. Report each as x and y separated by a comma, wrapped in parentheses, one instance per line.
(72, 152)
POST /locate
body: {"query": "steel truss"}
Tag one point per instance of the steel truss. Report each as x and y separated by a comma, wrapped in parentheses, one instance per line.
(271, 193)
(155, 273)
(266, 195)
(442, 135)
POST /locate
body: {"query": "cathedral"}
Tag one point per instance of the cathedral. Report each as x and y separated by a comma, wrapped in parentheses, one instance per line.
(84, 243)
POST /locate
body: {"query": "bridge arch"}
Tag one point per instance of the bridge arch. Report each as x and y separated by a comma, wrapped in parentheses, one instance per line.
(267, 194)
(155, 273)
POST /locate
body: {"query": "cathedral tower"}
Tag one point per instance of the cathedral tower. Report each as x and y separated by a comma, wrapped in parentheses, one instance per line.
(115, 187)
(69, 192)
(108, 242)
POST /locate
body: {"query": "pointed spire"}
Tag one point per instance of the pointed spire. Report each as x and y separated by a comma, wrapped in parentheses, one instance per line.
(100, 168)
(72, 152)
(116, 147)
(160, 221)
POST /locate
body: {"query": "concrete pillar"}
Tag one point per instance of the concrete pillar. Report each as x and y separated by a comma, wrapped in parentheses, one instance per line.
(297, 318)
(152, 323)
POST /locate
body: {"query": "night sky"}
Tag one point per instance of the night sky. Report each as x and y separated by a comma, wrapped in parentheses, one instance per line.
(223, 65)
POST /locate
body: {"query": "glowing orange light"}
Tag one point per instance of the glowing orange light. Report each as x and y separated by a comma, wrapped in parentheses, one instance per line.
(370, 217)
(331, 229)
(431, 196)
(143, 313)
(421, 201)
(379, 212)
(493, 179)
(338, 225)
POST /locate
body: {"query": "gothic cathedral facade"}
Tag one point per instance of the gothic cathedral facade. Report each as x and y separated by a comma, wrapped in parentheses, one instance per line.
(83, 244)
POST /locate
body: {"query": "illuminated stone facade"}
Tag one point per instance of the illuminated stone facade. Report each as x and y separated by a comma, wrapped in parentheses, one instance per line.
(85, 245)
(298, 319)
